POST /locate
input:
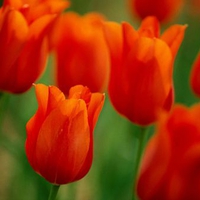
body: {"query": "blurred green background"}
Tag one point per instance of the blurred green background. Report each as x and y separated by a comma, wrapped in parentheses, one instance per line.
(115, 138)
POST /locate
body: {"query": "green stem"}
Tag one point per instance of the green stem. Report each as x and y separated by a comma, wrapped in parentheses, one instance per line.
(4, 101)
(141, 141)
(53, 192)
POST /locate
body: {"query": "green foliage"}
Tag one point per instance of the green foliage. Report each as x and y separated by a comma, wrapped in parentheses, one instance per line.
(115, 139)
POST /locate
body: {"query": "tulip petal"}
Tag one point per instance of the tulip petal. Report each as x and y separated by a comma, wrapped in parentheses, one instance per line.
(130, 35)
(147, 71)
(33, 10)
(173, 36)
(195, 76)
(169, 101)
(64, 132)
(32, 60)
(180, 123)
(150, 27)
(47, 7)
(113, 36)
(170, 166)
(195, 110)
(95, 107)
(156, 159)
(13, 3)
(94, 104)
(34, 124)
(80, 92)
(94, 110)
(12, 40)
(48, 98)
(185, 180)
(79, 59)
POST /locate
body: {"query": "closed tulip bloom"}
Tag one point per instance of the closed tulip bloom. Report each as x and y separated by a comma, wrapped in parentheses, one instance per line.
(59, 144)
(170, 165)
(164, 10)
(24, 48)
(81, 52)
(195, 76)
(141, 68)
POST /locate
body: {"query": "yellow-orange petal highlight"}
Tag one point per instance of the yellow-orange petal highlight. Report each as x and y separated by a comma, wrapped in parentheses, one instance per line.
(59, 144)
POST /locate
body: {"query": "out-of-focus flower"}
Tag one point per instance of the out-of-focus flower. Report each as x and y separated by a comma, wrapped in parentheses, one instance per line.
(195, 76)
(24, 47)
(59, 143)
(82, 55)
(164, 10)
(170, 165)
(34, 9)
(141, 68)
(194, 8)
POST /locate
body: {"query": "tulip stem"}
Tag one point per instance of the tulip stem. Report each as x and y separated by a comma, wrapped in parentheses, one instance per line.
(4, 100)
(53, 192)
(141, 143)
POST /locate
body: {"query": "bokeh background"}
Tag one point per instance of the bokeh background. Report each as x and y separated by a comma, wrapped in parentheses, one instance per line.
(115, 138)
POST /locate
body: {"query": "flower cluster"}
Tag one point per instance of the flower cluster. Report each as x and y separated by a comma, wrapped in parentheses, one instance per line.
(92, 55)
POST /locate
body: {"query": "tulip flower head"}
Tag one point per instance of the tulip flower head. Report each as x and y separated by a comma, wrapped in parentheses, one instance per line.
(34, 9)
(170, 165)
(164, 10)
(195, 76)
(24, 49)
(141, 68)
(59, 143)
(82, 55)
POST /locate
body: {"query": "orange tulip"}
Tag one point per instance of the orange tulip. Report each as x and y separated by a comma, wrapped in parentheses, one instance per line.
(195, 76)
(164, 10)
(34, 9)
(170, 165)
(24, 47)
(141, 68)
(81, 52)
(59, 143)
